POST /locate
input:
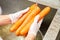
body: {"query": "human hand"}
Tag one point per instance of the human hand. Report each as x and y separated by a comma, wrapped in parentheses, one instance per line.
(15, 16)
(34, 29)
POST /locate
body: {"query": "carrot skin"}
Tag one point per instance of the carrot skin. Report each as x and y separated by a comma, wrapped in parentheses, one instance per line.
(21, 20)
(31, 15)
(25, 30)
(42, 14)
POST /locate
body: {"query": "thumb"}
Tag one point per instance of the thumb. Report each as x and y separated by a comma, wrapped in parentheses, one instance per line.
(15, 16)
(36, 18)
(25, 10)
(40, 22)
(20, 13)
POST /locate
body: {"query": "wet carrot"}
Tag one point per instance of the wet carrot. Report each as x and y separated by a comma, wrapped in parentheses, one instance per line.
(42, 14)
(20, 21)
(25, 30)
(32, 15)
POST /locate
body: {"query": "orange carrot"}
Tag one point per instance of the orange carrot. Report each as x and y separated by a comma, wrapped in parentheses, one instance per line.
(43, 13)
(25, 30)
(32, 15)
(20, 21)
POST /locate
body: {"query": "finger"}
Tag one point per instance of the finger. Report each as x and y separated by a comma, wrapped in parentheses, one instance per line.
(25, 10)
(15, 16)
(20, 13)
(36, 18)
(40, 22)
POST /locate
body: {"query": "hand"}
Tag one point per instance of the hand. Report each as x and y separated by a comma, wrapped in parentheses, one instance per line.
(15, 16)
(34, 29)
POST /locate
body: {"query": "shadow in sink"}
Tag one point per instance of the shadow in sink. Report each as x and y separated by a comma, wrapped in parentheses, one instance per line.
(47, 20)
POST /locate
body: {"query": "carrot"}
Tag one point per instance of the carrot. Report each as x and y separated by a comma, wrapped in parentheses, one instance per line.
(32, 15)
(20, 21)
(25, 30)
(43, 13)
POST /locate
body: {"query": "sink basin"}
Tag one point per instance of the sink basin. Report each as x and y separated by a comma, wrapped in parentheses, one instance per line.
(7, 35)
(12, 6)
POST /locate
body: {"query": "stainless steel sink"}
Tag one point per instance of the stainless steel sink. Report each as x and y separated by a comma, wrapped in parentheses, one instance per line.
(12, 6)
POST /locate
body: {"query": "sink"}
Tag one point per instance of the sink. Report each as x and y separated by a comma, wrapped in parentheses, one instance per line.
(12, 6)
(7, 35)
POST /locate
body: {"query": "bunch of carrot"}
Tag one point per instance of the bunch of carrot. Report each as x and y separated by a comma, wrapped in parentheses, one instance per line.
(21, 27)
